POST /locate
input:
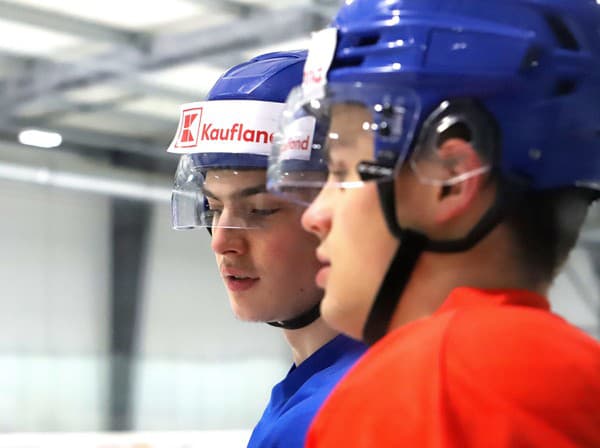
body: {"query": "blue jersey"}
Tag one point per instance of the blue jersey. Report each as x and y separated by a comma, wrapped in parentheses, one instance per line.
(295, 400)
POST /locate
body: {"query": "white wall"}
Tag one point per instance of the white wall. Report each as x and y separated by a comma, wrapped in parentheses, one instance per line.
(53, 297)
(575, 294)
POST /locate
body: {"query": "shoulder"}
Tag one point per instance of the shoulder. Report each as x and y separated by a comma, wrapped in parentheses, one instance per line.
(504, 345)
(516, 339)
(289, 431)
(325, 369)
(525, 368)
(523, 361)
(287, 425)
(466, 374)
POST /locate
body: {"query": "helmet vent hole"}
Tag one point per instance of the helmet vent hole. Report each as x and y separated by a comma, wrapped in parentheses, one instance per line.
(368, 40)
(564, 87)
(561, 31)
(457, 130)
(348, 62)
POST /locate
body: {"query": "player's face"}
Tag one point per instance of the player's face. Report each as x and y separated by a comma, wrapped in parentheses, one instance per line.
(268, 269)
(355, 242)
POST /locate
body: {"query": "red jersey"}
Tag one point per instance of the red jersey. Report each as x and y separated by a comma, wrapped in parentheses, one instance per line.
(488, 369)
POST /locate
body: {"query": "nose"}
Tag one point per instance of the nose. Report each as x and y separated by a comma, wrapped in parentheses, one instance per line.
(227, 234)
(226, 240)
(316, 218)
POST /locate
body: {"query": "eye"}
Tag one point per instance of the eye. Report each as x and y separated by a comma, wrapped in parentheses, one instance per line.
(214, 207)
(265, 211)
(338, 174)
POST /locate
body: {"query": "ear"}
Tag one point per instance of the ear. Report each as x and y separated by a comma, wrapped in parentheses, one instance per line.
(457, 157)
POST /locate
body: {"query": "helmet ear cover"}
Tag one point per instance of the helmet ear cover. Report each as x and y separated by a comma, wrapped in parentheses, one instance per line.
(463, 118)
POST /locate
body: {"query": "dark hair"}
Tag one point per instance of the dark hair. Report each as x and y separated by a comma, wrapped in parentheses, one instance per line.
(545, 226)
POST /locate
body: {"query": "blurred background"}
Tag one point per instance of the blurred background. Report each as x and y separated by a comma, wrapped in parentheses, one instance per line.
(111, 321)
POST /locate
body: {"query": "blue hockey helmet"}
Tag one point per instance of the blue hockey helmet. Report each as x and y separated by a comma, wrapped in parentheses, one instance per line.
(529, 68)
(232, 130)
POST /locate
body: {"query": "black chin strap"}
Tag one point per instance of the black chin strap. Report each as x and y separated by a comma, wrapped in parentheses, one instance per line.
(412, 245)
(394, 283)
(300, 321)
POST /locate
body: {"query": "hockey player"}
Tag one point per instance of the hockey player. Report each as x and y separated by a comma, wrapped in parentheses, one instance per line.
(267, 261)
(463, 145)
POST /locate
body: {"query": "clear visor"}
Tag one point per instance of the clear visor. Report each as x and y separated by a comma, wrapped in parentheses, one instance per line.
(227, 197)
(362, 133)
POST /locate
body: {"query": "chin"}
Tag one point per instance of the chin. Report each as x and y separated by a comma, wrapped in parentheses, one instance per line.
(244, 314)
(338, 318)
(249, 315)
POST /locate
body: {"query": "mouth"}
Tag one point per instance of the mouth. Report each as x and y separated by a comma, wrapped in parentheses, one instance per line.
(323, 273)
(237, 281)
(237, 284)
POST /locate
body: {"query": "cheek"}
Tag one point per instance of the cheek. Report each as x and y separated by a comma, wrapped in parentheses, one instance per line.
(365, 245)
(361, 223)
(290, 249)
(415, 203)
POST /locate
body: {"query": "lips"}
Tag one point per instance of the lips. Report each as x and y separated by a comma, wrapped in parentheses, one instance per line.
(238, 280)
(323, 273)
(240, 284)
(321, 277)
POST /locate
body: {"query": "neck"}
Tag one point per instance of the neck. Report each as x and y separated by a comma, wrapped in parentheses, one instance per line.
(489, 265)
(307, 340)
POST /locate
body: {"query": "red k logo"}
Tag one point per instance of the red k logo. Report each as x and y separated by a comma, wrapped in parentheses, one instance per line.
(189, 128)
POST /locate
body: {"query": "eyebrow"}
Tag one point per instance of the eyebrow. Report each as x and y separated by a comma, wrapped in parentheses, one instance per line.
(243, 193)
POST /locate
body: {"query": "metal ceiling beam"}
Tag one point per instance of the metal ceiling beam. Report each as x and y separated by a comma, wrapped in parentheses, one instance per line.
(63, 23)
(16, 63)
(56, 106)
(135, 185)
(240, 9)
(259, 29)
(164, 51)
(60, 107)
(133, 86)
(132, 90)
(138, 87)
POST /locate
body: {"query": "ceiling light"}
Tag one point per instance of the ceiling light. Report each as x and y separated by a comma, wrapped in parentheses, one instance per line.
(41, 139)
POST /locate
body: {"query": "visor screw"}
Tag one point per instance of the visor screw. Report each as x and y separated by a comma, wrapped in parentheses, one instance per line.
(386, 155)
(535, 154)
(384, 129)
